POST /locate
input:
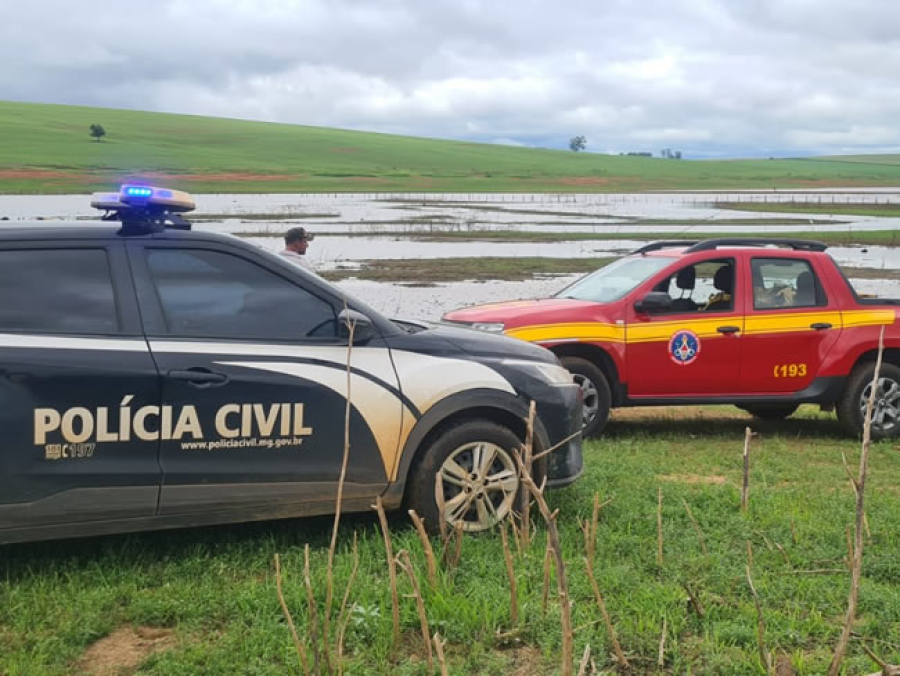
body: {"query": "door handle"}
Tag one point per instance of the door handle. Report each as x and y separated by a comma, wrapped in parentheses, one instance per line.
(199, 377)
(820, 326)
(728, 329)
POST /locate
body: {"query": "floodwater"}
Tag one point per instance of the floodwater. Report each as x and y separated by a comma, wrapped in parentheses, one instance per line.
(384, 226)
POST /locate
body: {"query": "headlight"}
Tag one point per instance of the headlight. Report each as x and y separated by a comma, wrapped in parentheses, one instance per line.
(553, 373)
(490, 327)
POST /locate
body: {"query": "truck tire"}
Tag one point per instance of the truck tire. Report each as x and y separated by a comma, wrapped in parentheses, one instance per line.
(851, 409)
(597, 396)
(774, 412)
(479, 477)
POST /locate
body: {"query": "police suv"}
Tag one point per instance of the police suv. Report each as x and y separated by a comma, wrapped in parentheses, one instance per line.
(155, 377)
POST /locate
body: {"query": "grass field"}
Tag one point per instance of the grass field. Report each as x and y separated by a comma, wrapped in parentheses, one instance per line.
(206, 597)
(825, 207)
(47, 149)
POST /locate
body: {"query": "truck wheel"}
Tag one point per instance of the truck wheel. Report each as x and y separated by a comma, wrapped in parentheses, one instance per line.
(851, 409)
(478, 477)
(595, 387)
(770, 412)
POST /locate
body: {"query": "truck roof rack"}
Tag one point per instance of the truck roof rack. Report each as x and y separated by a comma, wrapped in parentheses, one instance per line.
(656, 246)
(795, 244)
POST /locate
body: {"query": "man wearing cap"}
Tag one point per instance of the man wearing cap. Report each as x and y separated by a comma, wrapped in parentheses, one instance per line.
(296, 241)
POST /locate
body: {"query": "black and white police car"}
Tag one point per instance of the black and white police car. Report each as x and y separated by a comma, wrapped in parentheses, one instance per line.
(152, 376)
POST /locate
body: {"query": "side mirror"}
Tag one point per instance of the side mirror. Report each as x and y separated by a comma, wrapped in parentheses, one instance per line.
(363, 329)
(655, 301)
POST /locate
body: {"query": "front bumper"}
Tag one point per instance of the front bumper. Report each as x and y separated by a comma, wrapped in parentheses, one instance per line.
(563, 419)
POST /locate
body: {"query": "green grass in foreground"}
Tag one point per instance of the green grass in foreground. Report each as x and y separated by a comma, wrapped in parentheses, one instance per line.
(47, 149)
(215, 590)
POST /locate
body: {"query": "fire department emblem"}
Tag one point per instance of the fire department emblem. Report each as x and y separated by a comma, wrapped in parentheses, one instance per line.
(684, 347)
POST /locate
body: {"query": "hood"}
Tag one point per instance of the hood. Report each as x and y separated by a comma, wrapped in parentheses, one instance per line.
(437, 338)
(527, 312)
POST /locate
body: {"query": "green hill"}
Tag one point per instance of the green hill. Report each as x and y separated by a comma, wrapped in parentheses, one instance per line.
(47, 148)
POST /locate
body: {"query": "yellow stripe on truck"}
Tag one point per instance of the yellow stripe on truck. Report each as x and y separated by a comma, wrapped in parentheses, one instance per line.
(705, 327)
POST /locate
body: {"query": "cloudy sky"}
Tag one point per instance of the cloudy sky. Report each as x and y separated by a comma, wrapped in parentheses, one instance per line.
(713, 78)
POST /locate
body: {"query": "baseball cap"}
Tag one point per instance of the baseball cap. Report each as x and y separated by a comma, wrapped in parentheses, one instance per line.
(298, 233)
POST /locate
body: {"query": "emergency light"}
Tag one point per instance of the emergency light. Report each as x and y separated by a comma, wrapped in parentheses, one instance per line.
(144, 207)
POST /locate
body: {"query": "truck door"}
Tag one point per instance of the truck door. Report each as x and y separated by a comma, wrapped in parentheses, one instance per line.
(791, 326)
(253, 369)
(695, 348)
(75, 373)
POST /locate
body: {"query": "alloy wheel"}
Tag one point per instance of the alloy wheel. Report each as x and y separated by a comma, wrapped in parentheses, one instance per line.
(479, 481)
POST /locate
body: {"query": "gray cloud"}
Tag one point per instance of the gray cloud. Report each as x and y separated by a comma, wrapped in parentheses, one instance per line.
(709, 77)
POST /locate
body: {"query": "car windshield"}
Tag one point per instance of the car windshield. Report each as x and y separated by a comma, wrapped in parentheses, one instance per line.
(613, 281)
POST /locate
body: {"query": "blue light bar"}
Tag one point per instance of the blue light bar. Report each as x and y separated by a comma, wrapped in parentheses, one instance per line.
(137, 191)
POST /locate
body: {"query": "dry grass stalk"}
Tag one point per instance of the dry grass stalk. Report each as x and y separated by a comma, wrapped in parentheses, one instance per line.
(760, 624)
(585, 660)
(329, 583)
(859, 485)
(548, 561)
(749, 553)
(406, 564)
(661, 653)
(458, 532)
(392, 570)
(528, 461)
(696, 527)
(426, 547)
(694, 599)
(793, 532)
(511, 573)
(344, 614)
(886, 669)
(301, 651)
(849, 549)
(442, 506)
(313, 612)
(783, 553)
(563, 588)
(745, 486)
(611, 630)
(439, 649)
(659, 533)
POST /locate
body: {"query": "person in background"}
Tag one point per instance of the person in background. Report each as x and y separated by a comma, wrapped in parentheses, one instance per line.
(296, 242)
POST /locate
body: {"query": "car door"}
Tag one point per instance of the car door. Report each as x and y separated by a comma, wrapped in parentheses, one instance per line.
(791, 326)
(694, 348)
(254, 383)
(75, 373)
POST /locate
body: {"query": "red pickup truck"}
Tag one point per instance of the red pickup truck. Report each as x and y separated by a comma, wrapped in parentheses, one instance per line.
(764, 324)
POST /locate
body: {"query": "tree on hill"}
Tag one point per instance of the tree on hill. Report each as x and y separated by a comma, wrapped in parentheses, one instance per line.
(97, 131)
(577, 143)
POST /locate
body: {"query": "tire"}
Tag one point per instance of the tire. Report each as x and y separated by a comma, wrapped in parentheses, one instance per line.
(774, 412)
(851, 409)
(475, 498)
(597, 396)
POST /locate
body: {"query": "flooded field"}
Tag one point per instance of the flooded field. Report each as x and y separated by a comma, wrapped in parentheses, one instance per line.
(363, 228)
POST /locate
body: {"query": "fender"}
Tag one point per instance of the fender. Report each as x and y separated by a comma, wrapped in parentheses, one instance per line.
(457, 405)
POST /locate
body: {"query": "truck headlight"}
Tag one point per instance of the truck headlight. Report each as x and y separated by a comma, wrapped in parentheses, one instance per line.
(490, 327)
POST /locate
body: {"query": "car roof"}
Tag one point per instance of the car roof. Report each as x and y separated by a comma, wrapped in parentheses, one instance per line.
(93, 230)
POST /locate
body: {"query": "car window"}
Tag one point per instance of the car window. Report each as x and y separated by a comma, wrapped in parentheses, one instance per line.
(57, 291)
(613, 281)
(784, 282)
(701, 287)
(214, 294)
